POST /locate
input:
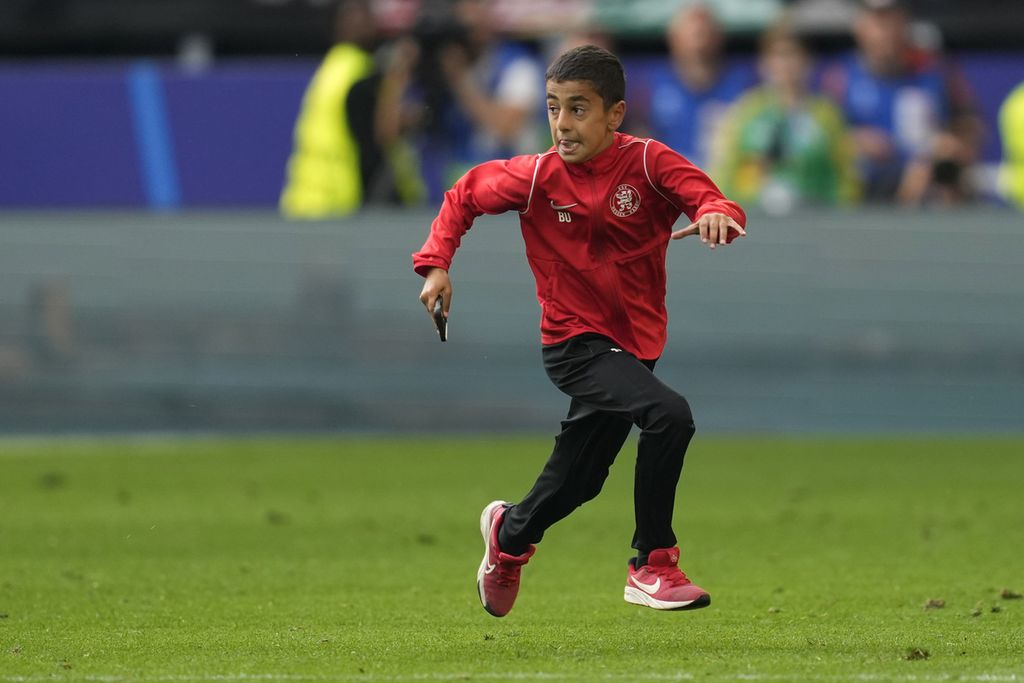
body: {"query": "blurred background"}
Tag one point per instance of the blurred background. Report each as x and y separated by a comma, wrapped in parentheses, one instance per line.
(207, 211)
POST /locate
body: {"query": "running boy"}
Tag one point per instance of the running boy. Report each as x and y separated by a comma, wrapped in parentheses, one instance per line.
(596, 213)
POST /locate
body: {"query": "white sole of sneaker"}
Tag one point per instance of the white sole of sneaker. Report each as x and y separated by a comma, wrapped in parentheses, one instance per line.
(485, 530)
(638, 597)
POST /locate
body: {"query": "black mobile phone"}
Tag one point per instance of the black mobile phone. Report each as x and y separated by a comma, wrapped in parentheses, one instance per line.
(440, 320)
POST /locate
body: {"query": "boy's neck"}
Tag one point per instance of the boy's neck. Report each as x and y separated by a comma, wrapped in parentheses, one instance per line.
(595, 163)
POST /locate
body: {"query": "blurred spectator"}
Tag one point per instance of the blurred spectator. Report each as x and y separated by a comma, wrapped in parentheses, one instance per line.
(583, 35)
(348, 150)
(1011, 128)
(915, 128)
(483, 93)
(381, 120)
(780, 145)
(690, 94)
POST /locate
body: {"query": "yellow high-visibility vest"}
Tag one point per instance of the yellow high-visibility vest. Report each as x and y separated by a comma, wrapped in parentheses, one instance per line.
(323, 171)
(1011, 127)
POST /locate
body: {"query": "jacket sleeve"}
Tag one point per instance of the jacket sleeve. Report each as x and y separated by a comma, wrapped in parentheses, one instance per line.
(686, 186)
(492, 188)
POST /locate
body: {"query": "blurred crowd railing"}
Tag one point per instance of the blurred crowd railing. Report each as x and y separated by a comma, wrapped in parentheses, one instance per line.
(860, 320)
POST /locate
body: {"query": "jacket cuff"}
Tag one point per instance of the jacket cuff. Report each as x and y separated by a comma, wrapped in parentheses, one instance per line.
(422, 265)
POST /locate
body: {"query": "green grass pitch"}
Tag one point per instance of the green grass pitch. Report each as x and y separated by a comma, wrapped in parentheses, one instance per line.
(354, 559)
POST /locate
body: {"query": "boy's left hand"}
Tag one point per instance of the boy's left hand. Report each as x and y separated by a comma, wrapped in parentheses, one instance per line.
(713, 229)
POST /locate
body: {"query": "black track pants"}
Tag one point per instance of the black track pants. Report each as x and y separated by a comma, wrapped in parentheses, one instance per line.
(611, 391)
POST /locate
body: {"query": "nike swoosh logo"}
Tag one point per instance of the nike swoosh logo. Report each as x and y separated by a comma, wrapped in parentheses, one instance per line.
(492, 567)
(562, 207)
(649, 588)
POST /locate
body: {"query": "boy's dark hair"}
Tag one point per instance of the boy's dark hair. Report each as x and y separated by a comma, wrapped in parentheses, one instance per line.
(595, 65)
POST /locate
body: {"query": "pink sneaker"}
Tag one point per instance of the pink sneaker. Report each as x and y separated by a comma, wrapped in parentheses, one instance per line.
(660, 584)
(497, 581)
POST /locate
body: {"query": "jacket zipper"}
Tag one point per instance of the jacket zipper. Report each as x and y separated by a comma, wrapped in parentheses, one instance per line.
(605, 268)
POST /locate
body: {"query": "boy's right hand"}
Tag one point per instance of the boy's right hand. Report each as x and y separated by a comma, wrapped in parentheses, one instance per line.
(436, 284)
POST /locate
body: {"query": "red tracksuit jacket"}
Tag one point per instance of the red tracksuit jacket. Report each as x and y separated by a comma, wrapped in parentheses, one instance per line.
(596, 233)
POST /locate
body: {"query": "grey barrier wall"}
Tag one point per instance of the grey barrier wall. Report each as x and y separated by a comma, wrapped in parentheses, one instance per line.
(861, 321)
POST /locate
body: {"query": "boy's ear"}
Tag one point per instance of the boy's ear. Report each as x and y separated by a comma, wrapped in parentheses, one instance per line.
(616, 113)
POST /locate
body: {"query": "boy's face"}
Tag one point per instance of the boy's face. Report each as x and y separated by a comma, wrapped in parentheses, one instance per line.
(581, 126)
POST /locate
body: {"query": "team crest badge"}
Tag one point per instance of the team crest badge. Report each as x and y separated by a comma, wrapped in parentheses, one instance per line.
(624, 201)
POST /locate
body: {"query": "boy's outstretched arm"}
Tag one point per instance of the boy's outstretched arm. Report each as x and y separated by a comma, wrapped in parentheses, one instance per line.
(493, 187)
(716, 219)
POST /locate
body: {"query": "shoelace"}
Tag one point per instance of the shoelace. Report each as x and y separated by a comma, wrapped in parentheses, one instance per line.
(672, 575)
(506, 574)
